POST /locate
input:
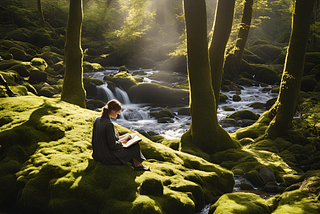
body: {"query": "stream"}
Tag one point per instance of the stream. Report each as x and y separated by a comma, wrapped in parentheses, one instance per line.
(137, 117)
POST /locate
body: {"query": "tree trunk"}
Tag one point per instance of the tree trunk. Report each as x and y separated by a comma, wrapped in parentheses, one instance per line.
(204, 131)
(243, 32)
(221, 32)
(284, 109)
(73, 90)
(41, 17)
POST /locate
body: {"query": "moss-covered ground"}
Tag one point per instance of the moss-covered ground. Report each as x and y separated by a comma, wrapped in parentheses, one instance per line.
(46, 167)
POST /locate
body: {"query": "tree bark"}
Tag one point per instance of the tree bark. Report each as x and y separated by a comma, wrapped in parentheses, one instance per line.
(41, 17)
(73, 90)
(221, 32)
(243, 32)
(284, 108)
(204, 131)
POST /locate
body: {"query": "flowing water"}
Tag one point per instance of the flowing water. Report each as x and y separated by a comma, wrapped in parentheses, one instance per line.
(137, 116)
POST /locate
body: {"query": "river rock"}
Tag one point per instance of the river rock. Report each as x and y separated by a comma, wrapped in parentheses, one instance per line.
(151, 186)
(246, 186)
(257, 105)
(308, 83)
(236, 98)
(254, 177)
(271, 187)
(266, 75)
(244, 114)
(270, 103)
(158, 94)
(228, 122)
(266, 175)
(247, 122)
(165, 120)
(227, 108)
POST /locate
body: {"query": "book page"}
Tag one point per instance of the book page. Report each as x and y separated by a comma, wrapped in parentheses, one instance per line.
(134, 139)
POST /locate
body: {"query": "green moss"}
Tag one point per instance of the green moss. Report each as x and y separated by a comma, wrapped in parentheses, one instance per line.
(297, 201)
(49, 151)
(165, 113)
(122, 79)
(246, 203)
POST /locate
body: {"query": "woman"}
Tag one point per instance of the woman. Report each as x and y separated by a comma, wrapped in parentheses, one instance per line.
(107, 146)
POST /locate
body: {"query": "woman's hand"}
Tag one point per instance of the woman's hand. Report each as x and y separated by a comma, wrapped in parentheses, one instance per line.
(124, 138)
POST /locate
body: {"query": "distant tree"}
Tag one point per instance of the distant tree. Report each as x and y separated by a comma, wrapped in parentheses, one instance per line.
(243, 32)
(221, 32)
(73, 90)
(284, 108)
(40, 12)
(204, 131)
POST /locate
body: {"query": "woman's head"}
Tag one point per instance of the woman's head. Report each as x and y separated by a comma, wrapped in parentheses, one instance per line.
(112, 109)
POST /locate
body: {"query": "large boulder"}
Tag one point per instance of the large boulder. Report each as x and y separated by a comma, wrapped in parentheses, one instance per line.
(267, 52)
(122, 79)
(47, 167)
(158, 94)
(244, 114)
(240, 203)
(266, 75)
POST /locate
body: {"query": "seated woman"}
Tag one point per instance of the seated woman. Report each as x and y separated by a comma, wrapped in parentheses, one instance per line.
(107, 146)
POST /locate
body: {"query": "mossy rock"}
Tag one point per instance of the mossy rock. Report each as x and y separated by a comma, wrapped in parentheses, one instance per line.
(266, 75)
(51, 58)
(123, 79)
(244, 114)
(140, 73)
(5, 64)
(308, 83)
(21, 70)
(19, 54)
(297, 201)
(266, 51)
(246, 186)
(244, 81)
(19, 90)
(222, 98)
(37, 76)
(47, 91)
(92, 67)
(236, 98)
(165, 113)
(254, 178)
(158, 94)
(228, 122)
(47, 157)
(39, 63)
(90, 85)
(240, 203)
(151, 186)
(313, 57)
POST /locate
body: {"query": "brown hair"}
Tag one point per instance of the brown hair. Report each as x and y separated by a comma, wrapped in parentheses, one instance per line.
(114, 105)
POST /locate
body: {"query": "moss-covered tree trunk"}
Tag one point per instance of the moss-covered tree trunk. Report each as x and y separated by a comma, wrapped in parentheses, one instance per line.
(243, 32)
(204, 131)
(73, 90)
(221, 32)
(40, 12)
(284, 108)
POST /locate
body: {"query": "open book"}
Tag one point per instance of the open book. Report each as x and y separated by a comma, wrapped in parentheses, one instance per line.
(134, 139)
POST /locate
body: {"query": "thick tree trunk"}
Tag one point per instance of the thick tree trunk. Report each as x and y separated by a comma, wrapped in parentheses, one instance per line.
(284, 109)
(221, 32)
(41, 17)
(73, 90)
(243, 32)
(205, 131)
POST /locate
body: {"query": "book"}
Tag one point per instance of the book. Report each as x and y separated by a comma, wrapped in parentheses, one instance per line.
(134, 139)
